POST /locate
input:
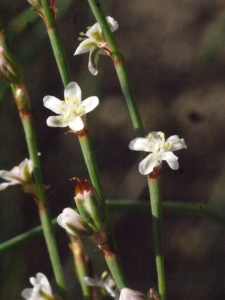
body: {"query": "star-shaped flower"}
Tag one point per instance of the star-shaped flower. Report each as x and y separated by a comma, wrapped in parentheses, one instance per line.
(41, 289)
(161, 150)
(18, 175)
(95, 43)
(71, 109)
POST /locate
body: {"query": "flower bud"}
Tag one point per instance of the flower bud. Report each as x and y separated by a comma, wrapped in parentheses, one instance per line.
(10, 70)
(89, 204)
(73, 223)
(36, 4)
(128, 294)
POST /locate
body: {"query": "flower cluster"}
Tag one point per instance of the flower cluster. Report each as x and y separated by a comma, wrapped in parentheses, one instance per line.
(161, 150)
(95, 43)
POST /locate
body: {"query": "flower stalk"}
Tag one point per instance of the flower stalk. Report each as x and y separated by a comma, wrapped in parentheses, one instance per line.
(119, 66)
(156, 208)
(84, 138)
(49, 18)
(81, 266)
(23, 104)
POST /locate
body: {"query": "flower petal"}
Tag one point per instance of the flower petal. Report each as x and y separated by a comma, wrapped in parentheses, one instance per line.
(27, 293)
(89, 104)
(57, 121)
(53, 104)
(147, 165)
(77, 124)
(139, 144)
(85, 46)
(4, 185)
(93, 61)
(113, 25)
(11, 175)
(72, 90)
(176, 143)
(171, 159)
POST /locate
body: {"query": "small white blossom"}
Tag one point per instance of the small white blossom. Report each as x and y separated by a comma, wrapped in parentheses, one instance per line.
(41, 289)
(161, 150)
(106, 282)
(18, 175)
(95, 43)
(73, 223)
(128, 294)
(71, 109)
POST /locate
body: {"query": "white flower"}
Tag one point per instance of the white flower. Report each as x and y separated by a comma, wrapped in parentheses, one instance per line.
(95, 43)
(71, 109)
(106, 282)
(161, 150)
(128, 294)
(41, 290)
(73, 223)
(18, 175)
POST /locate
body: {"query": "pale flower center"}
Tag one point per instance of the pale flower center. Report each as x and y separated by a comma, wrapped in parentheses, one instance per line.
(156, 143)
(70, 108)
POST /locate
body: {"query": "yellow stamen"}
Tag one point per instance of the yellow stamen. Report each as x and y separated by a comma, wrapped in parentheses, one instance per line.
(89, 27)
(81, 33)
(80, 39)
(167, 145)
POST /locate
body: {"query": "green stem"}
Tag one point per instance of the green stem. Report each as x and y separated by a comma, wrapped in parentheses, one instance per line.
(85, 141)
(120, 67)
(56, 42)
(23, 104)
(156, 207)
(81, 267)
(43, 208)
(91, 164)
(114, 264)
(122, 206)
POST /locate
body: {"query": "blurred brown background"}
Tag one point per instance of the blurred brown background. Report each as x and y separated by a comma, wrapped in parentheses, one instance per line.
(175, 54)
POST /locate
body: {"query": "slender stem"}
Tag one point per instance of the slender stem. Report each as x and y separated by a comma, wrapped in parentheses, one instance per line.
(120, 67)
(122, 206)
(115, 265)
(23, 104)
(85, 142)
(81, 267)
(156, 206)
(56, 42)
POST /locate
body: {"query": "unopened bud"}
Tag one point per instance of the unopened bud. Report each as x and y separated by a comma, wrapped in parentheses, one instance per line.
(89, 204)
(73, 223)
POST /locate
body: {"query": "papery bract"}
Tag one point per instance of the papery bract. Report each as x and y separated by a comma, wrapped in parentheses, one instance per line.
(95, 43)
(41, 289)
(161, 150)
(71, 109)
(18, 175)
